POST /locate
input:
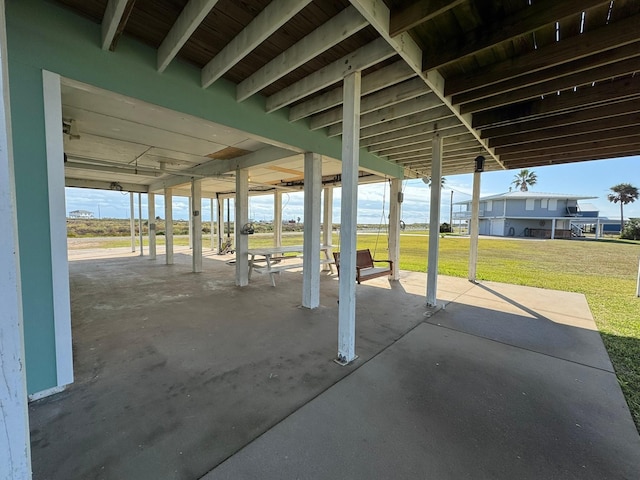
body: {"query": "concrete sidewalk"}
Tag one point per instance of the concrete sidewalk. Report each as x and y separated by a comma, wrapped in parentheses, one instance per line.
(507, 382)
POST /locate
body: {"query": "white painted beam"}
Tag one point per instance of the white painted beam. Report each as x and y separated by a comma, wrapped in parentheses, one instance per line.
(371, 54)
(431, 115)
(15, 449)
(397, 136)
(383, 78)
(378, 15)
(385, 98)
(168, 225)
(191, 16)
(242, 217)
(395, 206)
(274, 15)
(474, 226)
(125, 169)
(403, 109)
(173, 181)
(112, 16)
(342, 26)
(58, 228)
(277, 218)
(151, 213)
(434, 221)
(348, 220)
(311, 242)
(104, 185)
(196, 225)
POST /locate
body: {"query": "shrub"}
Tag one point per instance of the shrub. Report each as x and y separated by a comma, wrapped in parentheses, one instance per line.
(445, 228)
(631, 229)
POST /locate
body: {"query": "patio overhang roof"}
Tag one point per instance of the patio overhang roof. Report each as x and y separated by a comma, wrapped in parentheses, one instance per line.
(523, 83)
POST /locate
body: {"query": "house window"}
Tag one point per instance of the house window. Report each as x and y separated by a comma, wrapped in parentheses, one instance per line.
(489, 205)
(529, 204)
(544, 202)
(553, 204)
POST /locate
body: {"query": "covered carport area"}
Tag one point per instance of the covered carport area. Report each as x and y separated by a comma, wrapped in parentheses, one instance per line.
(521, 84)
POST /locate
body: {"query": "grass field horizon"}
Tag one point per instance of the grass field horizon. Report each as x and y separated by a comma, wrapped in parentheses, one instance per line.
(605, 271)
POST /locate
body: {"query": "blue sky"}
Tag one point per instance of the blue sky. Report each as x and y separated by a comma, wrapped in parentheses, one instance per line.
(585, 178)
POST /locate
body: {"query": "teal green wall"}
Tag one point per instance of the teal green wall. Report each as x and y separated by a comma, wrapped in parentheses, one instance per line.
(43, 35)
(27, 119)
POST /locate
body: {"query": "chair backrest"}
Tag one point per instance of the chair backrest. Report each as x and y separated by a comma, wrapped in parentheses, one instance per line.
(364, 259)
(336, 258)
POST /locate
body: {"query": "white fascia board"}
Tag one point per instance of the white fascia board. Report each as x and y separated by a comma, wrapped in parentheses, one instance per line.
(385, 77)
(274, 15)
(378, 15)
(112, 17)
(363, 58)
(385, 98)
(191, 16)
(342, 26)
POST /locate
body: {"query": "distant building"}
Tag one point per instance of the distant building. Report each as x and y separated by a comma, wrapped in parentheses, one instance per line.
(534, 214)
(81, 214)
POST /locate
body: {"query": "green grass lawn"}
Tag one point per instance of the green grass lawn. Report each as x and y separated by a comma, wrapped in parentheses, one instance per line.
(604, 271)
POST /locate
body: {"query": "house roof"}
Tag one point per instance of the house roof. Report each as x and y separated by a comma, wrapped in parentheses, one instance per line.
(523, 83)
(536, 195)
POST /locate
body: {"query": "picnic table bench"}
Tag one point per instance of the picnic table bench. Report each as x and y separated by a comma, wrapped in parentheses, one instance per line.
(365, 266)
(275, 261)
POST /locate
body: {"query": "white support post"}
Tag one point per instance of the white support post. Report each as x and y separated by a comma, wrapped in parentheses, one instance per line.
(213, 224)
(598, 229)
(15, 450)
(220, 205)
(196, 225)
(395, 204)
(242, 217)
(168, 225)
(132, 222)
(140, 224)
(474, 227)
(553, 228)
(311, 242)
(348, 219)
(277, 218)
(190, 221)
(638, 281)
(151, 213)
(434, 219)
(327, 229)
(58, 238)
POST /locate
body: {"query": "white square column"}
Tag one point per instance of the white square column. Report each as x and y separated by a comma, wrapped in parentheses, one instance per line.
(395, 202)
(151, 213)
(168, 225)
(277, 218)
(196, 225)
(348, 219)
(220, 223)
(434, 220)
(213, 225)
(474, 226)
(311, 242)
(15, 449)
(327, 227)
(132, 221)
(140, 232)
(242, 217)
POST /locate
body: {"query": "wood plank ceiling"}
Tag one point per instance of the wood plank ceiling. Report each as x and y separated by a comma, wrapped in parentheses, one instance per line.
(523, 82)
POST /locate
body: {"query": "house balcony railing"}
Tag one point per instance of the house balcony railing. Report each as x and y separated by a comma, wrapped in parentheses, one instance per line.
(465, 215)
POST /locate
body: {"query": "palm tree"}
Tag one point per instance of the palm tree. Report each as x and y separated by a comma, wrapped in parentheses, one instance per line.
(623, 193)
(525, 179)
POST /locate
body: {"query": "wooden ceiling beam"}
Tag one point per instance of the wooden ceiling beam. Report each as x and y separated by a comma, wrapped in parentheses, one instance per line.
(340, 27)
(592, 148)
(616, 123)
(588, 44)
(601, 93)
(527, 20)
(431, 115)
(190, 18)
(577, 139)
(421, 138)
(425, 141)
(383, 78)
(420, 12)
(557, 160)
(568, 118)
(420, 105)
(270, 19)
(551, 86)
(384, 98)
(449, 125)
(363, 58)
(115, 18)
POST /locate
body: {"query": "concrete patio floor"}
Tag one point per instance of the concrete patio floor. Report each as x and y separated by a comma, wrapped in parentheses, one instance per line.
(185, 376)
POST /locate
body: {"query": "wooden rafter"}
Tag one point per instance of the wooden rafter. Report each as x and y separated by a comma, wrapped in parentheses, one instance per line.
(419, 12)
